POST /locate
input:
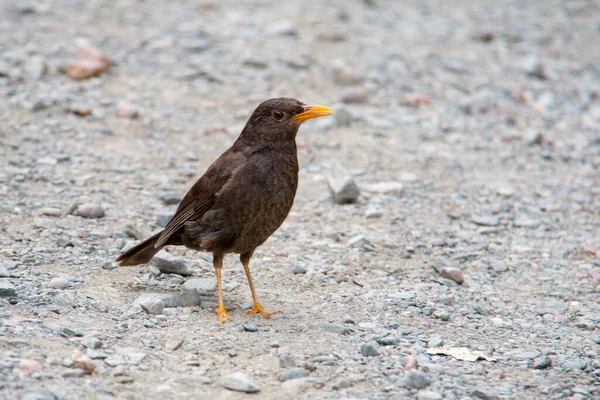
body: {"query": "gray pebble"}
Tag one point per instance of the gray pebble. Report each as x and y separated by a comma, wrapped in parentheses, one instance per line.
(250, 328)
(7, 289)
(485, 220)
(524, 354)
(63, 242)
(435, 342)
(342, 187)
(286, 360)
(428, 395)
(441, 314)
(542, 362)
(163, 218)
(299, 268)
(333, 328)
(453, 274)
(58, 283)
(200, 285)
(239, 382)
(91, 343)
(90, 210)
(293, 373)
(370, 349)
(153, 306)
(168, 263)
(415, 379)
(170, 198)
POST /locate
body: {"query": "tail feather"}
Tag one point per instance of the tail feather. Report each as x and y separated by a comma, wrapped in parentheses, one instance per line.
(140, 253)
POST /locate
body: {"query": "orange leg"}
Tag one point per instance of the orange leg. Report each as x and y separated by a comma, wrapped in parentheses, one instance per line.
(221, 311)
(256, 308)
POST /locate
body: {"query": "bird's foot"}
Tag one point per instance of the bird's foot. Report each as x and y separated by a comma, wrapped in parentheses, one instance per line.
(221, 312)
(257, 309)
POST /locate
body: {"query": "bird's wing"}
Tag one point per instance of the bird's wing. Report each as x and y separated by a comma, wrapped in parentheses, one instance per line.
(202, 195)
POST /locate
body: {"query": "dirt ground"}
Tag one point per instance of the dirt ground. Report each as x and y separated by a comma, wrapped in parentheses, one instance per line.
(471, 128)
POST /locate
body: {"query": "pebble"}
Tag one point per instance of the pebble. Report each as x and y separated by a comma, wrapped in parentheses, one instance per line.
(542, 362)
(51, 212)
(58, 283)
(485, 220)
(342, 117)
(63, 242)
(355, 96)
(153, 306)
(83, 362)
(239, 382)
(342, 187)
(4, 273)
(200, 285)
(299, 268)
(370, 349)
(91, 343)
(40, 394)
(293, 373)
(27, 366)
(454, 274)
(527, 223)
(332, 328)
(441, 314)
(163, 218)
(90, 210)
(372, 213)
(415, 379)
(282, 27)
(73, 373)
(7, 289)
(385, 187)
(533, 66)
(170, 264)
(250, 328)
(428, 395)
(286, 360)
(170, 198)
(524, 354)
(572, 365)
(126, 110)
(388, 341)
(435, 342)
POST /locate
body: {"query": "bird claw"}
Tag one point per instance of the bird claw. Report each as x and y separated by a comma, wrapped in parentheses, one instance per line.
(221, 312)
(257, 309)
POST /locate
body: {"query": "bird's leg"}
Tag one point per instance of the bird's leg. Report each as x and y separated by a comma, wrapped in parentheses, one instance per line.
(221, 311)
(256, 308)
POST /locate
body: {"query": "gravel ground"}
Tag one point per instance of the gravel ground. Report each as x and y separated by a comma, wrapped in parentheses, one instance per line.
(470, 127)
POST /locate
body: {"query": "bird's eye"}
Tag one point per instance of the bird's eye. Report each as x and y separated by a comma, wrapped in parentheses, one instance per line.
(277, 115)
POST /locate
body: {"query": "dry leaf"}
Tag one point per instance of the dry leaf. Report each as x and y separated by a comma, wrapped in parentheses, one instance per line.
(90, 62)
(460, 353)
(83, 362)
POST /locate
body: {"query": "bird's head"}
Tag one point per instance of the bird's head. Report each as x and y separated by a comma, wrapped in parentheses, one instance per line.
(279, 119)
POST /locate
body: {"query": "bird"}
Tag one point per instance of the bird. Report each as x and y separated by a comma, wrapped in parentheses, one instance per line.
(243, 197)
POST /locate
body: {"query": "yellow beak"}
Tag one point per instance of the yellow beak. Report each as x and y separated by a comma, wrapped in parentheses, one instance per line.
(313, 112)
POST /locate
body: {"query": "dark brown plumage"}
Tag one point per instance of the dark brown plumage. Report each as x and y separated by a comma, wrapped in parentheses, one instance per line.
(243, 197)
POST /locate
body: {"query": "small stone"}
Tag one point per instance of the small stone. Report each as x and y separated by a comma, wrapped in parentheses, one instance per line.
(332, 328)
(342, 187)
(527, 223)
(342, 117)
(372, 213)
(39, 394)
(485, 220)
(385, 187)
(73, 373)
(435, 342)
(299, 268)
(282, 27)
(239, 382)
(485, 394)
(542, 362)
(286, 361)
(170, 198)
(358, 241)
(163, 218)
(58, 283)
(7, 289)
(126, 110)
(232, 353)
(388, 341)
(170, 299)
(173, 344)
(250, 328)
(343, 75)
(4, 273)
(293, 373)
(51, 212)
(200, 285)
(572, 365)
(415, 379)
(355, 96)
(533, 67)
(454, 274)
(63, 242)
(524, 354)
(428, 395)
(586, 324)
(115, 360)
(27, 366)
(168, 263)
(91, 343)
(90, 210)
(153, 306)
(441, 314)
(370, 349)
(83, 362)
